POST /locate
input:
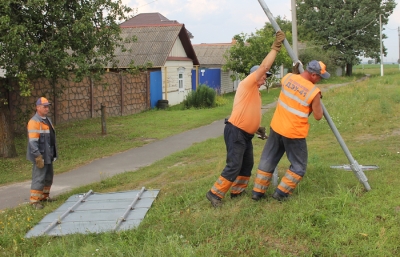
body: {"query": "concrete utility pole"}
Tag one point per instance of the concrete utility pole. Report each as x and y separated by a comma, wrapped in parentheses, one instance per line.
(294, 28)
(398, 61)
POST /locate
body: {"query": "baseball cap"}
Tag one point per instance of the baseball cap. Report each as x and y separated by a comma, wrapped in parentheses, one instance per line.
(318, 68)
(42, 101)
(255, 67)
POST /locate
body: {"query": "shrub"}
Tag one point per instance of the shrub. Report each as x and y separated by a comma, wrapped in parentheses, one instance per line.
(220, 100)
(203, 97)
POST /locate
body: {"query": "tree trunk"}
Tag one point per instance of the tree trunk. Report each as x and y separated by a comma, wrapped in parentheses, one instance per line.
(349, 69)
(7, 144)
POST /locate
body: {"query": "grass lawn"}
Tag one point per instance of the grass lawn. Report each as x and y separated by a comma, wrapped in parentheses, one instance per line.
(329, 214)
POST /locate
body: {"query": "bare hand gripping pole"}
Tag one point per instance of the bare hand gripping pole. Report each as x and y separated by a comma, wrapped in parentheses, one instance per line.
(355, 167)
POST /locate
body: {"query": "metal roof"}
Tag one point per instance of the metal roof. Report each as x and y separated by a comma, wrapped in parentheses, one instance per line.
(211, 54)
(96, 213)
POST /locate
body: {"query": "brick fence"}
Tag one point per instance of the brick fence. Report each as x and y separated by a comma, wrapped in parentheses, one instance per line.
(121, 93)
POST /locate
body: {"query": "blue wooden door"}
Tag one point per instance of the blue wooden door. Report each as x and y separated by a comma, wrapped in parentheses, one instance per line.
(194, 80)
(155, 88)
(209, 77)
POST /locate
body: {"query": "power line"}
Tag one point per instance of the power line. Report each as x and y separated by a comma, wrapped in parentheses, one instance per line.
(136, 10)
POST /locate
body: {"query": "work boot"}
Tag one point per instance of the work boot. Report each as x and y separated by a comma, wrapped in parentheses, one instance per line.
(49, 200)
(279, 197)
(237, 195)
(216, 202)
(257, 197)
(37, 206)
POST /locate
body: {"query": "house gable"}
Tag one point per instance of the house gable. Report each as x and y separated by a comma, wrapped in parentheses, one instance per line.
(178, 50)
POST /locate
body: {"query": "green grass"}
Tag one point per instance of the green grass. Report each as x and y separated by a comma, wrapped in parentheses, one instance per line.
(329, 214)
(375, 69)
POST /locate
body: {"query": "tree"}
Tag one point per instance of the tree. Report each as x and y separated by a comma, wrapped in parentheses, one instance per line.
(350, 27)
(251, 50)
(52, 39)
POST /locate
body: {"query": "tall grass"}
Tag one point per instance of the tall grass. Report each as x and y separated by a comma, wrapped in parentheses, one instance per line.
(329, 214)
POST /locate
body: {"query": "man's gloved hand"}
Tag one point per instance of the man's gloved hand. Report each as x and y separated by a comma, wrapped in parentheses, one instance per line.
(280, 36)
(261, 133)
(295, 69)
(39, 161)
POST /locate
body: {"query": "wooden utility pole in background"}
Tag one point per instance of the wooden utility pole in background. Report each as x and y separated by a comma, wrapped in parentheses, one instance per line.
(103, 120)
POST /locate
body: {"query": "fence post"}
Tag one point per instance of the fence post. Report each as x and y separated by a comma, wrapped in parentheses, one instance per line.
(103, 120)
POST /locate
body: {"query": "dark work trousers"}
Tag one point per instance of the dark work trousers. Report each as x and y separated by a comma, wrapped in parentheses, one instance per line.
(239, 148)
(42, 177)
(276, 146)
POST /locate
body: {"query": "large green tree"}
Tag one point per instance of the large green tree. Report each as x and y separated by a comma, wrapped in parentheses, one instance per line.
(350, 27)
(53, 39)
(250, 50)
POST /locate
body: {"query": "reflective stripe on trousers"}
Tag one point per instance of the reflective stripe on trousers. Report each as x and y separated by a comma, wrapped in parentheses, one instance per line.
(240, 184)
(262, 181)
(36, 196)
(221, 186)
(289, 182)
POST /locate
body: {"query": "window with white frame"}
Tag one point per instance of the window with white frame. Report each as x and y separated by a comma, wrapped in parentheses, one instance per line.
(181, 81)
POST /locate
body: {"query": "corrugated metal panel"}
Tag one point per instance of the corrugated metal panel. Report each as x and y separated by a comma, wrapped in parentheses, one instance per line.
(96, 213)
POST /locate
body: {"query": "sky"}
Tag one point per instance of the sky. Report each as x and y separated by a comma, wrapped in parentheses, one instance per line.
(217, 21)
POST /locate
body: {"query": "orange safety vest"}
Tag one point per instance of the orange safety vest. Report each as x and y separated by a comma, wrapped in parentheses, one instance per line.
(294, 106)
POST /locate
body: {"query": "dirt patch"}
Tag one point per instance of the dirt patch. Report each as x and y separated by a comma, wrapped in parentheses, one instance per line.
(331, 86)
(369, 137)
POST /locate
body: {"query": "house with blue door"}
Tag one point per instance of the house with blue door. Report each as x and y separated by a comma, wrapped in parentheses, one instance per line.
(166, 45)
(212, 58)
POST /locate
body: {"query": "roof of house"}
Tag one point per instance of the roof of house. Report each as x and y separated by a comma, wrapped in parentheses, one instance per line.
(212, 54)
(154, 44)
(149, 19)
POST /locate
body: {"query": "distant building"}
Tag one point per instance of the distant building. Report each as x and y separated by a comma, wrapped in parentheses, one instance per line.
(211, 59)
(166, 44)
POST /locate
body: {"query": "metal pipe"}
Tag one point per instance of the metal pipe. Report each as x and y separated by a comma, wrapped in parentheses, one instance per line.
(128, 210)
(70, 209)
(357, 170)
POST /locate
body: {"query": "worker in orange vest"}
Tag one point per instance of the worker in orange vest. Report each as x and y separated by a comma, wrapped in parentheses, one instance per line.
(299, 98)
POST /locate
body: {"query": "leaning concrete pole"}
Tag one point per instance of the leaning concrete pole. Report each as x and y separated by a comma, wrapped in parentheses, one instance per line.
(355, 167)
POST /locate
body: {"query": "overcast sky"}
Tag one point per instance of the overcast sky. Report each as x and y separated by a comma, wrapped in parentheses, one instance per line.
(217, 21)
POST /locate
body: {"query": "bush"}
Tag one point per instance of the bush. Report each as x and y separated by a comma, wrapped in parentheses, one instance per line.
(220, 100)
(203, 97)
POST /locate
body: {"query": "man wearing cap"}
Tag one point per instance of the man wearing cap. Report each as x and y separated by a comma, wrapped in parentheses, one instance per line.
(42, 151)
(299, 98)
(243, 122)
